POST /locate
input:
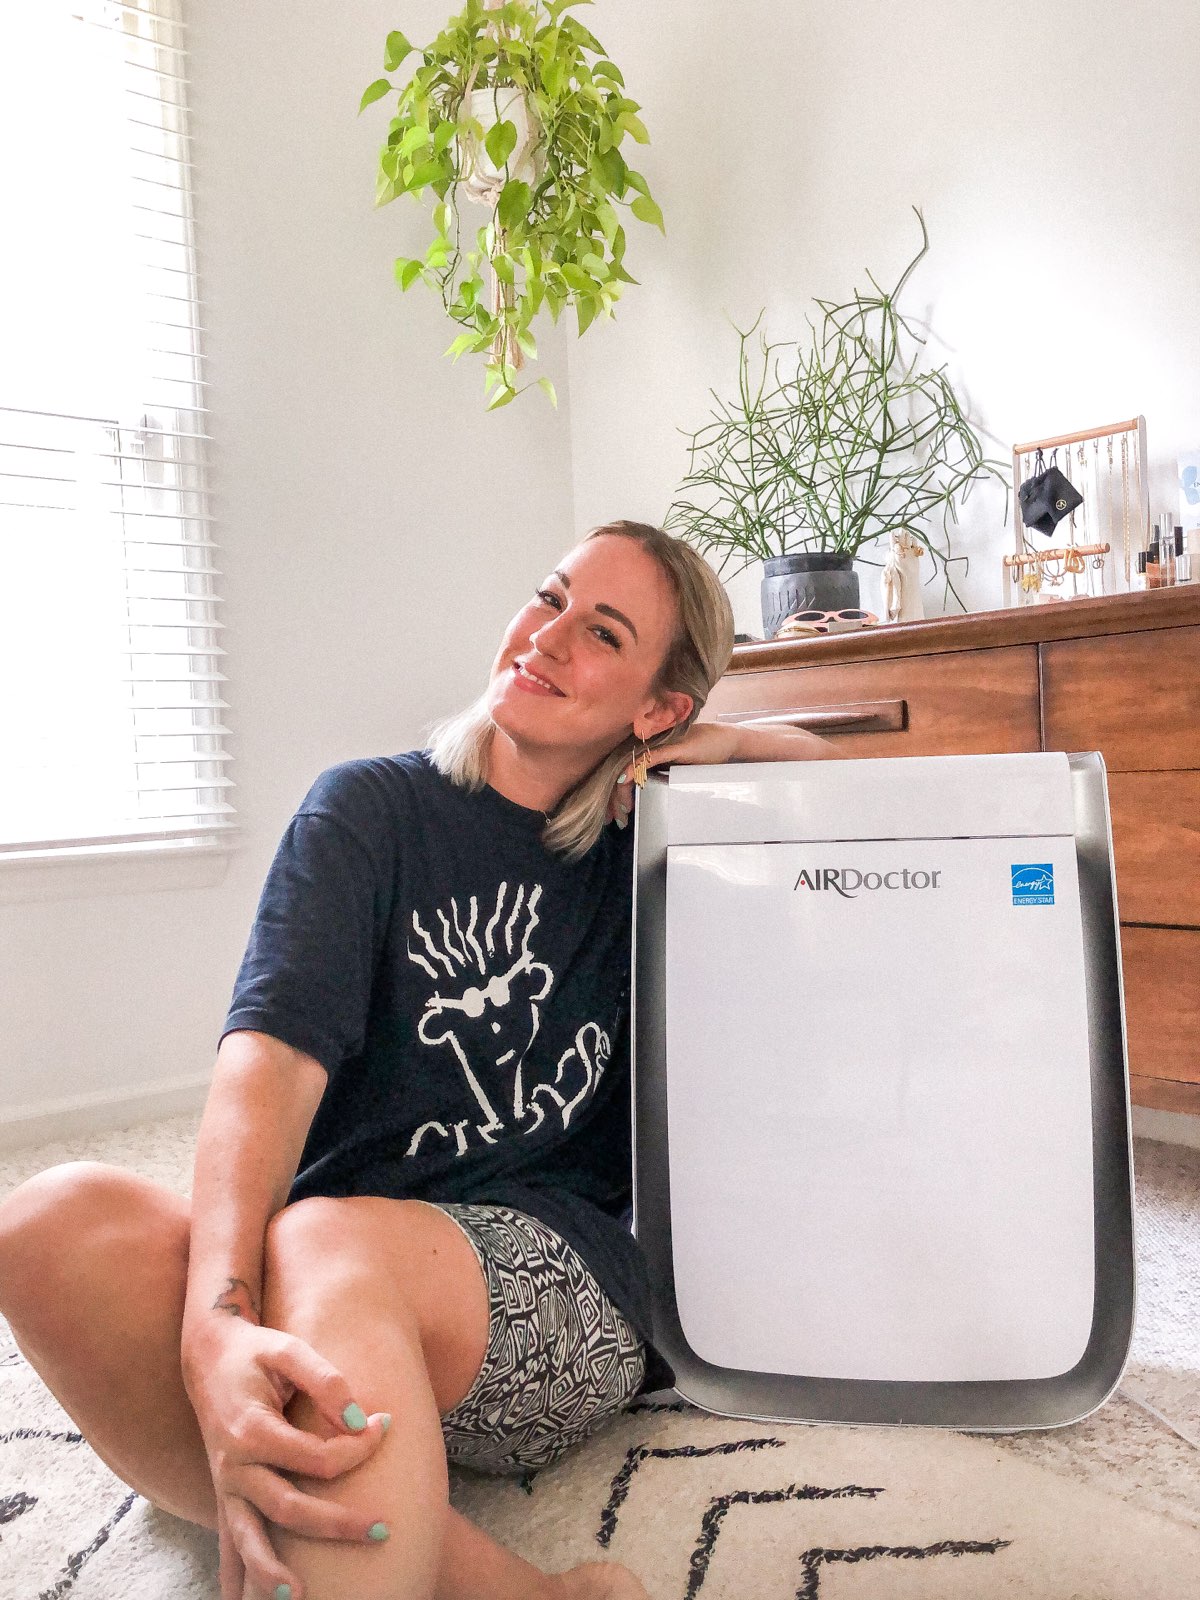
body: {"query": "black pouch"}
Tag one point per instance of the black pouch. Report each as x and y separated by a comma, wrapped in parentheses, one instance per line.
(1048, 496)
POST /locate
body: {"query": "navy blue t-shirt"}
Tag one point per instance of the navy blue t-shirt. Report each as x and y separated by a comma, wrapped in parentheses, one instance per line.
(467, 991)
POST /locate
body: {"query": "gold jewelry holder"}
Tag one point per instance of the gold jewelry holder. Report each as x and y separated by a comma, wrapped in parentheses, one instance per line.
(1114, 519)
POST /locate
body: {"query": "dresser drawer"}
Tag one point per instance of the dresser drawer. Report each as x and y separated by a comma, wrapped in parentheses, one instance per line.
(967, 702)
(1133, 696)
(1161, 968)
(1156, 845)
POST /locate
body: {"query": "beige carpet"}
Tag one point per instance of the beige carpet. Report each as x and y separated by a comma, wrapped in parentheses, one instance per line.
(701, 1506)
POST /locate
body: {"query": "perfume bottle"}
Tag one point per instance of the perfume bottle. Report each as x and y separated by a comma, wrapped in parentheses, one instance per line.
(1183, 559)
(1166, 558)
(1138, 580)
(1153, 567)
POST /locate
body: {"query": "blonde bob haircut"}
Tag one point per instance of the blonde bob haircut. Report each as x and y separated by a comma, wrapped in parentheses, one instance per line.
(696, 658)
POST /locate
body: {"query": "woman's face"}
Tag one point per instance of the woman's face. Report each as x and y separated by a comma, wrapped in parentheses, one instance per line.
(595, 632)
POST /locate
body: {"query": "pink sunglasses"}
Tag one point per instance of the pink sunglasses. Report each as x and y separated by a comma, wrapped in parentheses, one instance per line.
(826, 621)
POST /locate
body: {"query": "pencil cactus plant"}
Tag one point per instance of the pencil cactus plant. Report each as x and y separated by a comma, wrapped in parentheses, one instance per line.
(843, 441)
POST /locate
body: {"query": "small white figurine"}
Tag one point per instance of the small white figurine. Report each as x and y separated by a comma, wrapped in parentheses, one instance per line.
(902, 599)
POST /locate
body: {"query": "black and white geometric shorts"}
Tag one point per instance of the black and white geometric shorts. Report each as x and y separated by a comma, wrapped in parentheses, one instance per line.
(560, 1358)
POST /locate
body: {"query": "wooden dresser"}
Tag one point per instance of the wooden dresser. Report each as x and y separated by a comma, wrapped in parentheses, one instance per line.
(1120, 675)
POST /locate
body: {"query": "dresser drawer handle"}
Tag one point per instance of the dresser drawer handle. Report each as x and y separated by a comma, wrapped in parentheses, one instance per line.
(866, 716)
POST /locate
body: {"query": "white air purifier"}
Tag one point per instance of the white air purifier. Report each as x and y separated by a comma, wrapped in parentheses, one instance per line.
(882, 1150)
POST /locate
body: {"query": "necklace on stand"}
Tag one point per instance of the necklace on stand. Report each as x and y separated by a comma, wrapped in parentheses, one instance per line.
(1125, 506)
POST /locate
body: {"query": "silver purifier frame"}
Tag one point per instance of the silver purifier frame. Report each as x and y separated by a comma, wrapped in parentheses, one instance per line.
(996, 1406)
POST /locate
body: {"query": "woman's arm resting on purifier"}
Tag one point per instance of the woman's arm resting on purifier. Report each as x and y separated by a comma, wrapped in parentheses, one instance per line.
(239, 1375)
(717, 742)
(757, 741)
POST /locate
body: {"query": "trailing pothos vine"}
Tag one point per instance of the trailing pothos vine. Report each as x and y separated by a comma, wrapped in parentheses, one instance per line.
(556, 237)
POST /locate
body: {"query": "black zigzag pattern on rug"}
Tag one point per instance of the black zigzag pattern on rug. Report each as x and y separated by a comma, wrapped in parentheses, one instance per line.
(633, 1459)
(16, 1505)
(75, 1563)
(719, 1508)
(560, 1359)
(41, 1433)
(813, 1560)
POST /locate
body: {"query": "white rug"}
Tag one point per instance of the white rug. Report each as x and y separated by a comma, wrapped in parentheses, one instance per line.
(711, 1508)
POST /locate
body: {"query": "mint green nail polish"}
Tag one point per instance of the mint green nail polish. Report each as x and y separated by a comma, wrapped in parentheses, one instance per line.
(355, 1417)
(283, 1591)
(378, 1531)
(385, 1421)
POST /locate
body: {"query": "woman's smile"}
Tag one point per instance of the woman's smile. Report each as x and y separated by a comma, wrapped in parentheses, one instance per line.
(526, 678)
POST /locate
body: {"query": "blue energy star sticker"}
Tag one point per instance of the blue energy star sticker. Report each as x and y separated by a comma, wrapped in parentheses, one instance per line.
(1033, 883)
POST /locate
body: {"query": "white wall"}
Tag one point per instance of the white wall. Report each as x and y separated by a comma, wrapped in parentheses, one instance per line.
(1052, 147)
(377, 531)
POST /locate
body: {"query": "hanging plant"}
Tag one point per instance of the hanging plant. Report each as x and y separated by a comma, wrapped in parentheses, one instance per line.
(517, 107)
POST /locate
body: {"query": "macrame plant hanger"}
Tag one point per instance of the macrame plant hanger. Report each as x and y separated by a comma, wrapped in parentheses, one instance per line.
(484, 188)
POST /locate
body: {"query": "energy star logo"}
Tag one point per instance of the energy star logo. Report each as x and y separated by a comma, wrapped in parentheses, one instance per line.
(1033, 883)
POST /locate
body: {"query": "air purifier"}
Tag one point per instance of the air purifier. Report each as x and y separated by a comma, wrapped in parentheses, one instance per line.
(882, 1161)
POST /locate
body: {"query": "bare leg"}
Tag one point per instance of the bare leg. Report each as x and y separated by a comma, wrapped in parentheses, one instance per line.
(93, 1264)
(362, 1321)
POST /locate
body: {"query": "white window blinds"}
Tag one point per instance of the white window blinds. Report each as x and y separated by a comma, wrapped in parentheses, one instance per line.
(110, 694)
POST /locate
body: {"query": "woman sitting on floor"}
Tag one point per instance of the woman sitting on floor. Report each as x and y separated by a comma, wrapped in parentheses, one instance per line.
(412, 1180)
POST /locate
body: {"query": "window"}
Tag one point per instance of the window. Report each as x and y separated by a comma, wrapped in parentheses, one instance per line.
(110, 707)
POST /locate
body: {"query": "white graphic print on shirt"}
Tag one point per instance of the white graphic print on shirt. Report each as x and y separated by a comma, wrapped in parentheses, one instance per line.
(496, 1019)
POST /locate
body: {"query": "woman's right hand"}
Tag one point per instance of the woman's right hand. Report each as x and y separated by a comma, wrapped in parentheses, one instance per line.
(240, 1377)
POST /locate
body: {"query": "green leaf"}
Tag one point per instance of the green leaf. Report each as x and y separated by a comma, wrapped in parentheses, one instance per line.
(585, 312)
(442, 216)
(554, 76)
(501, 398)
(608, 70)
(503, 268)
(395, 50)
(463, 342)
(527, 342)
(646, 211)
(608, 219)
(634, 126)
(408, 270)
(443, 134)
(544, 383)
(412, 140)
(515, 200)
(500, 142)
(576, 277)
(374, 91)
(612, 168)
(594, 264)
(427, 172)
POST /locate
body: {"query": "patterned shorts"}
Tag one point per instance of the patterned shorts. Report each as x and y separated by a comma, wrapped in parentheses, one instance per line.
(560, 1357)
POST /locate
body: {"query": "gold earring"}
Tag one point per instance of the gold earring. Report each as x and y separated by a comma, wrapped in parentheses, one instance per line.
(641, 762)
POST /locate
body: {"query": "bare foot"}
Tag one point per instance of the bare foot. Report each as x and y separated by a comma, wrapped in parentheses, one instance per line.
(598, 1580)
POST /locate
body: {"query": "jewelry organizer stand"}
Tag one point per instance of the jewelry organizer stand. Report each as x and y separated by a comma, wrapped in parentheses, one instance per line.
(1103, 536)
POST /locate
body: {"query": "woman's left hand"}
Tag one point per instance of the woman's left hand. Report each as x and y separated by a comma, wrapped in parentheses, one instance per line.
(710, 743)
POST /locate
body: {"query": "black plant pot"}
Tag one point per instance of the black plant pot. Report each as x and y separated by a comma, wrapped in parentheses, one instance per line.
(806, 580)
